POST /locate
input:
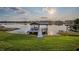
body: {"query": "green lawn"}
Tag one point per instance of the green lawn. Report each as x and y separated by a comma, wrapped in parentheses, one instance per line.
(17, 42)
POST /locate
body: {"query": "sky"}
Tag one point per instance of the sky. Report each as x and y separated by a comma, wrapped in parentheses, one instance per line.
(38, 13)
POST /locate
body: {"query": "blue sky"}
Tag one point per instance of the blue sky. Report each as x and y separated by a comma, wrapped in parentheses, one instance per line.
(18, 13)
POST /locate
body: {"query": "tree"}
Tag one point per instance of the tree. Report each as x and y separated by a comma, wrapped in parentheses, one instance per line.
(76, 25)
(59, 23)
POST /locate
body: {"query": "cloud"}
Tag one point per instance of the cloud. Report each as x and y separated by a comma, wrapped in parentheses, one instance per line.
(14, 10)
(17, 13)
(49, 10)
(18, 10)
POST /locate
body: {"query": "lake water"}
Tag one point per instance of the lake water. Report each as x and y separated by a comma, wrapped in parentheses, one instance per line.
(24, 28)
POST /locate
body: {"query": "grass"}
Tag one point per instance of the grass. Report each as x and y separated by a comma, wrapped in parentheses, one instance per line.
(21, 42)
(69, 33)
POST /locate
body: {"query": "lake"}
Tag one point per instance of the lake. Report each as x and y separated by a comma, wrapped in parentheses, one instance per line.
(24, 28)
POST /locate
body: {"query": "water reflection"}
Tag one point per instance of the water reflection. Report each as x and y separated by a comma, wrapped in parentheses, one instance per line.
(25, 28)
(40, 34)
